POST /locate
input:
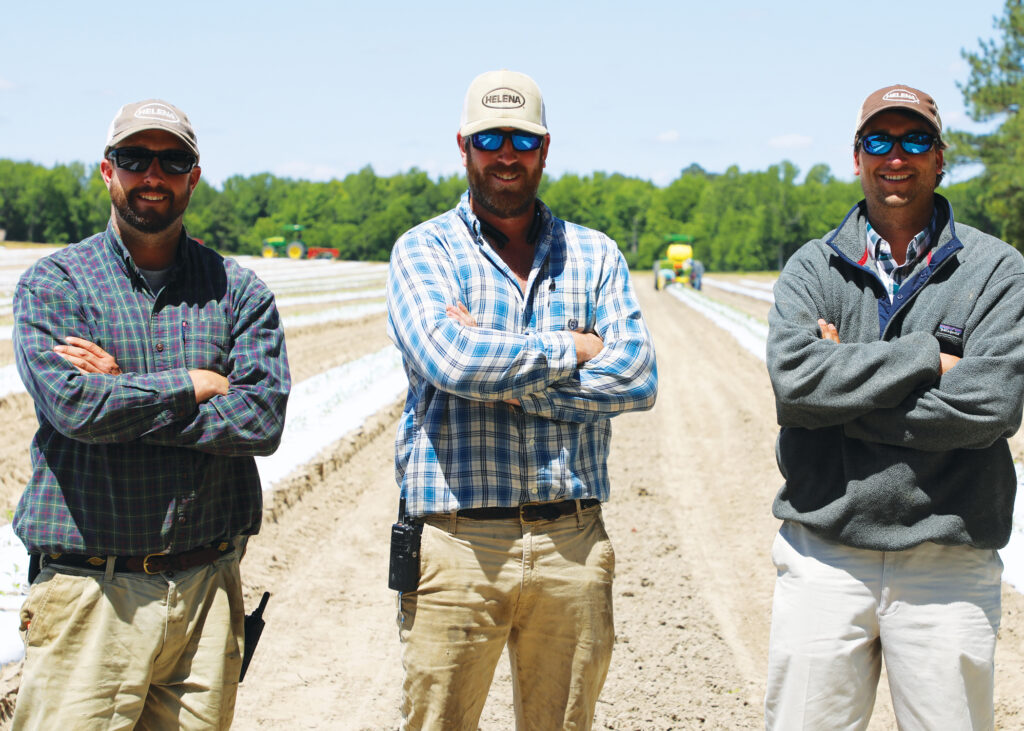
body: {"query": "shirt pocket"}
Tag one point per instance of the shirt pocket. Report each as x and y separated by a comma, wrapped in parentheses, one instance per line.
(206, 341)
(569, 308)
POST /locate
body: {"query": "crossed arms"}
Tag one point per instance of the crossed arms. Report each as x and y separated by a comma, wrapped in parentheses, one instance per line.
(903, 391)
(82, 392)
(557, 374)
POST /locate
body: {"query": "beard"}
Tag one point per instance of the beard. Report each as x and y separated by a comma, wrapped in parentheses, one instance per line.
(151, 221)
(502, 201)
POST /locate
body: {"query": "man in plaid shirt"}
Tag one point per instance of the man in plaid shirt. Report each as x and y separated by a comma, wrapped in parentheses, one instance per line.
(521, 337)
(158, 371)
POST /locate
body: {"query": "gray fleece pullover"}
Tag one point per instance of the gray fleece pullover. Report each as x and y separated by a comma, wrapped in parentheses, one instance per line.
(877, 450)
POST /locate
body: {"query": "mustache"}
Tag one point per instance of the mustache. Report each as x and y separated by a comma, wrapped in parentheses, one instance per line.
(516, 168)
(157, 191)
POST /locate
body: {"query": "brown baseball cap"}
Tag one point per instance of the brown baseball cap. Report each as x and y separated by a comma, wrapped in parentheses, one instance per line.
(150, 114)
(900, 96)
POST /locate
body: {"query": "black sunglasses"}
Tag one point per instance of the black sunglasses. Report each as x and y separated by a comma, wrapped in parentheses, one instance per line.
(913, 142)
(492, 140)
(138, 160)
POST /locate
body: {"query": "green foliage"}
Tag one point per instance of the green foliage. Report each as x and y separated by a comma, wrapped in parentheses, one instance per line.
(740, 220)
(994, 90)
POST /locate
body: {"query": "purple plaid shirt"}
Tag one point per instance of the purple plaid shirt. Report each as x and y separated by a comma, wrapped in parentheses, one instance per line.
(129, 464)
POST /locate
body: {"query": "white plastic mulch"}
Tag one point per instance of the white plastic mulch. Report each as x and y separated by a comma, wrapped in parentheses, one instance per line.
(748, 288)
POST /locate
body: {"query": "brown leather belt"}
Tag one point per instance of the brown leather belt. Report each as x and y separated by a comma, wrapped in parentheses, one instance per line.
(529, 512)
(154, 563)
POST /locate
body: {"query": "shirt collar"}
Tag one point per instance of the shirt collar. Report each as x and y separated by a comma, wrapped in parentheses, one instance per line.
(128, 265)
(879, 248)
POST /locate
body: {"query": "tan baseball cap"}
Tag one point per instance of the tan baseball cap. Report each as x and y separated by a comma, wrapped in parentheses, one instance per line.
(503, 99)
(150, 114)
(900, 96)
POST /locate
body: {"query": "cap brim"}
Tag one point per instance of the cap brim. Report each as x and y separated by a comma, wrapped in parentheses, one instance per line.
(497, 122)
(119, 138)
(901, 108)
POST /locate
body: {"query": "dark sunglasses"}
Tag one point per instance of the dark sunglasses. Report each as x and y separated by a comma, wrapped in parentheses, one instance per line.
(138, 160)
(913, 142)
(492, 140)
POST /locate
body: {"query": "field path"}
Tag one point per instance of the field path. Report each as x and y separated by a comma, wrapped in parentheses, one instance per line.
(689, 518)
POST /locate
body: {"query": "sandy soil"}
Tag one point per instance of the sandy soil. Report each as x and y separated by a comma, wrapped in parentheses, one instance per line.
(689, 517)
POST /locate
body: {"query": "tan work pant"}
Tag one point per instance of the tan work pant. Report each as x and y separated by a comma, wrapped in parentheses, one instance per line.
(544, 589)
(931, 611)
(131, 650)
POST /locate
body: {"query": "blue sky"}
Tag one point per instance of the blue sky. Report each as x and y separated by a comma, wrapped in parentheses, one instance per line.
(320, 89)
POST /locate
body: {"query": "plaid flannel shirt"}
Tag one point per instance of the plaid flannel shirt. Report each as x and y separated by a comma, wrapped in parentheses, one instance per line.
(880, 251)
(129, 464)
(459, 445)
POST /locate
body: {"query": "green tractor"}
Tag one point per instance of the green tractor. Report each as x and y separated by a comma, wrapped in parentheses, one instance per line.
(281, 246)
(675, 266)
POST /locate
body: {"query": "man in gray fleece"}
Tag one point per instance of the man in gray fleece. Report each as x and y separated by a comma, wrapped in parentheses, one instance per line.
(896, 352)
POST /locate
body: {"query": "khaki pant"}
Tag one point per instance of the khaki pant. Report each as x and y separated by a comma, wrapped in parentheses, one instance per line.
(131, 650)
(544, 589)
(931, 611)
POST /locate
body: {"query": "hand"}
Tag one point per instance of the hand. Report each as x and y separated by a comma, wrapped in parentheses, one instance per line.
(87, 357)
(828, 331)
(208, 384)
(460, 314)
(947, 361)
(588, 345)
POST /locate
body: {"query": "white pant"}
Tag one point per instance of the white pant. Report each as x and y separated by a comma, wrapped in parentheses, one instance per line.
(932, 611)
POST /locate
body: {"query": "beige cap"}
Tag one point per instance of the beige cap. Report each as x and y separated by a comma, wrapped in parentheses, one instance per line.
(900, 96)
(503, 99)
(150, 114)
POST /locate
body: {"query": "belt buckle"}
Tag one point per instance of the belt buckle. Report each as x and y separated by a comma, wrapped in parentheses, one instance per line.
(541, 511)
(145, 563)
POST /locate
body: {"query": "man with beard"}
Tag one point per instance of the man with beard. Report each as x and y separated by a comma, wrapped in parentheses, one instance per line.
(896, 351)
(158, 371)
(521, 337)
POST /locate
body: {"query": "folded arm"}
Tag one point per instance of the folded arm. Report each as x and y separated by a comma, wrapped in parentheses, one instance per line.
(91, 407)
(471, 362)
(819, 382)
(244, 412)
(978, 398)
(622, 376)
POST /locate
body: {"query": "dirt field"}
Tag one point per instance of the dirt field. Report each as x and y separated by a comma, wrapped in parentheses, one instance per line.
(689, 517)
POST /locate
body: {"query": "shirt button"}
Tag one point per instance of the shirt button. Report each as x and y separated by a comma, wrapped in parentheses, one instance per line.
(534, 490)
(531, 442)
(159, 347)
(182, 520)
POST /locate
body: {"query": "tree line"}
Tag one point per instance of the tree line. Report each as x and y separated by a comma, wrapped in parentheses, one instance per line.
(739, 220)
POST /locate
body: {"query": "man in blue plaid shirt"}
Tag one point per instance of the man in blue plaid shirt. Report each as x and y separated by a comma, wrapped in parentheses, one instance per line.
(521, 337)
(158, 371)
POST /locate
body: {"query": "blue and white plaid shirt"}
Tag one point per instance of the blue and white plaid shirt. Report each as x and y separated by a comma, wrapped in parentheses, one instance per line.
(892, 274)
(459, 445)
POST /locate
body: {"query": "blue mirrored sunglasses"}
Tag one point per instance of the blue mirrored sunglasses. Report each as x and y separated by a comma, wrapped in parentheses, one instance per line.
(492, 140)
(913, 142)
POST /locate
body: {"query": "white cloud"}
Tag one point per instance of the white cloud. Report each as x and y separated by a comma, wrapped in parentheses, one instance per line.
(669, 136)
(790, 142)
